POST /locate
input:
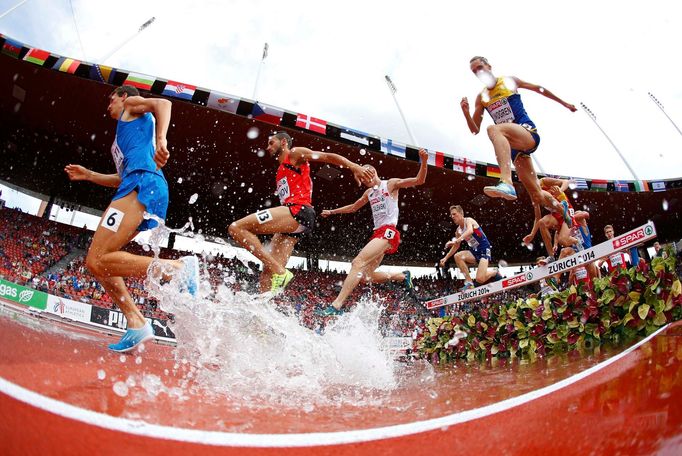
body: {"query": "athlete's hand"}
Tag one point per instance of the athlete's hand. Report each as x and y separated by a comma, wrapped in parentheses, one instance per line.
(77, 172)
(423, 155)
(570, 107)
(442, 262)
(362, 174)
(465, 105)
(527, 239)
(161, 156)
(326, 213)
(449, 244)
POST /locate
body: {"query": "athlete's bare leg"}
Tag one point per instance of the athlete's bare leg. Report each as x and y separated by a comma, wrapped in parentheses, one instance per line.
(374, 249)
(371, 275)
(506, 137)
(547, 224)
(463, 259)
(281, 247)
(483, 273)
(109, 265)
(529, 179)
(246, 230)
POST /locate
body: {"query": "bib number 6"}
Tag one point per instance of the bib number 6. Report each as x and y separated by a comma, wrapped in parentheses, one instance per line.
(112, 219)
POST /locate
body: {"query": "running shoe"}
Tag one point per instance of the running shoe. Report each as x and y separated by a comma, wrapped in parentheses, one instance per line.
(408, 280)
(501, 190)
(545, 261)
(280, 281)
(328, 311)
(132, 338)
(467, 286)
(497, 277)
(191, 274)
(565, 213)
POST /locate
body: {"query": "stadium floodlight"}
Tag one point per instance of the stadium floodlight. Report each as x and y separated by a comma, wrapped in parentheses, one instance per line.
(260, 65)
(393, 89)
(129, 39)
(593, 116)
(660, 106)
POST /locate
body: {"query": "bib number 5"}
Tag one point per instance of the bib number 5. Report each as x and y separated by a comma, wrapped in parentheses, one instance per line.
(389, 234)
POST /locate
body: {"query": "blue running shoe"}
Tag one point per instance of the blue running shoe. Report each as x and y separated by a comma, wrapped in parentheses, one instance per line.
(191, 274)
(467, 286)
(566, 214)
(328, 311)
(132, 338)
(501, 190)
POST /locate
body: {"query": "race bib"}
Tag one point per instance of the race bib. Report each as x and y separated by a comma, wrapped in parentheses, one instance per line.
(112, 219)
(501, 111)
(283, 190)
(389, 234)
(581, 273)
(117, 155)
(616, 259)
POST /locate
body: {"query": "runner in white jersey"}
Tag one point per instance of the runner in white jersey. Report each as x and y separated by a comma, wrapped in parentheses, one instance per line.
(382, 195)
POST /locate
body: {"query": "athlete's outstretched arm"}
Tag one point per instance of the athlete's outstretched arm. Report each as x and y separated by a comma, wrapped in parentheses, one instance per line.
(543, 91)
(350, 208)
(360, 173)
(454, 247)
(538, 215)
(78, 172)
(473, 122)
(419, 179)
(161, 109)
(551, 181)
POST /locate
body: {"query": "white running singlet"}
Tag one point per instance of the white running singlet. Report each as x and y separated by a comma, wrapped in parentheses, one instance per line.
(384, 207)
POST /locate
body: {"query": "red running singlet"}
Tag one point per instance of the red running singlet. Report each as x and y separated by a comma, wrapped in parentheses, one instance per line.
(294, 185)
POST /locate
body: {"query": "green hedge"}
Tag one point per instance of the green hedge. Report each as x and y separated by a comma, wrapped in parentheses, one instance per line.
(620, 306)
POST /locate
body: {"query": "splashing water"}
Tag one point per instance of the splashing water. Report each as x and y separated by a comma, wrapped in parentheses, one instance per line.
(246, 347)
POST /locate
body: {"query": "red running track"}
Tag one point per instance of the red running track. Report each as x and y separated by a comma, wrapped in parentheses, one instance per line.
(52, 401)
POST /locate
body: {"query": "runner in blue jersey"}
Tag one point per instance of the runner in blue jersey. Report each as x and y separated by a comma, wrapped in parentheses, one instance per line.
(139, 151)
(480, 250)
(514, 135)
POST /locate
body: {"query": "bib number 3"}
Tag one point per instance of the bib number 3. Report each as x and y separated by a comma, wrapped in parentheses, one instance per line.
(112, 219)
(264, 216)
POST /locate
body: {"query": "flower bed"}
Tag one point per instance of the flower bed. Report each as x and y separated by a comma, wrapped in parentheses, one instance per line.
(625, 304)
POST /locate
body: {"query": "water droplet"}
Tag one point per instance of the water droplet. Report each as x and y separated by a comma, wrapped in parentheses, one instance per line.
(138, 360)
(121, 389)
(363, 152)
(665, 205)
(92, 137)
(193, 199)
(101, 374)
(253, 133)
(503, 263)
(179, 180)
(470, 177)
(122, 358)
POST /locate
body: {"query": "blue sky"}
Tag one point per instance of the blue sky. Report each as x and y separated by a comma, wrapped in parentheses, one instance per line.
(329, 60)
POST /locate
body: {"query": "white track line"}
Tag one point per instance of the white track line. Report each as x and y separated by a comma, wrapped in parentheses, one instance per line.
(142, 428)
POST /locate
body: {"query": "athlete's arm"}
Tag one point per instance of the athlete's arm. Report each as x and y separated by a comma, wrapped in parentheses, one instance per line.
(364, 199)
(551, 181)
(473, 122)
(453, 249)
(78, 172)
(419, 179)
(543, 91)
(468, 231)
(161, 109)
(303, 153)
(538, 215)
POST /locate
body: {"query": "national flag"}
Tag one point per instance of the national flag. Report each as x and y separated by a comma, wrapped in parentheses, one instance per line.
(658, 186)
(11, 48)
(493, 171)
(436, 159)
(102, 73)
(579, 183)
(391, 148)
(179, 90)
(141, 81)
(599, 185)
(266, 113)
(641, 186)
(311, 123)
(464, 165)
(37, 56)
(621, 186)
(223, 102)
(355, 136)
(66, 65)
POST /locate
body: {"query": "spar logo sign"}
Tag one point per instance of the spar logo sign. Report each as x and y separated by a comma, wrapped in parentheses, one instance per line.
(517, 280)
(435, 303)
(632, 238)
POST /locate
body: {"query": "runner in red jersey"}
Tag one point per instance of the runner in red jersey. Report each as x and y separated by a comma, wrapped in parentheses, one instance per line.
(295, 217)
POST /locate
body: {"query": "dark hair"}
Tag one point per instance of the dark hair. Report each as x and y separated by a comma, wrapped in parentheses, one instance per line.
(284, 135)
(478, 57)
(129, 90)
